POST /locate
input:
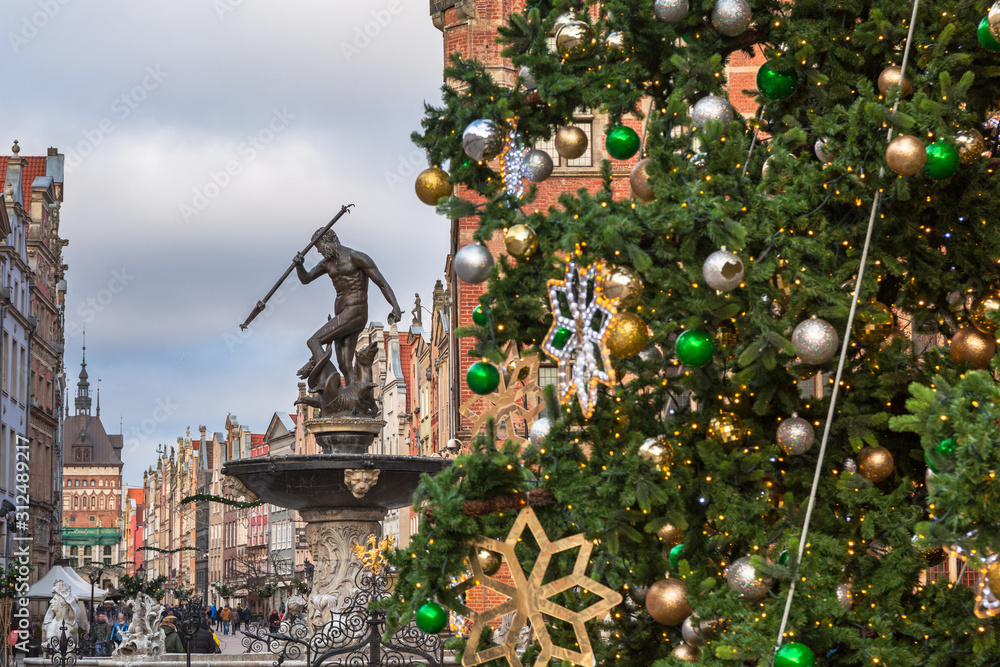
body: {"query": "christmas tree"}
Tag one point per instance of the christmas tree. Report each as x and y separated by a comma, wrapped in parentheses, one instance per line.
(734, 333)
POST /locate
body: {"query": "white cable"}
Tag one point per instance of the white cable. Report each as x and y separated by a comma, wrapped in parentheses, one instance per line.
(843, 358)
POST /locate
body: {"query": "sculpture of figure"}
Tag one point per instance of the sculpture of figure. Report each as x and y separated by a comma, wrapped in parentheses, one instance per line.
(64, 608)
(350, 271)
(356, 399)
(321, 608)
(144, 636)
(360, 481)
(417, 315)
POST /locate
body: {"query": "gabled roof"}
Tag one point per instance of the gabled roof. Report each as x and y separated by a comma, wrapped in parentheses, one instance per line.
(87, 429)
(33, 167)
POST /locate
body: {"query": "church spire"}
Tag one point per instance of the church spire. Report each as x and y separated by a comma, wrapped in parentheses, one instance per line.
(98, 398)
(83, 387)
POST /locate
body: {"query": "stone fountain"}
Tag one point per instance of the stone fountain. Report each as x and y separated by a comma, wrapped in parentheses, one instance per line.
(343, 493)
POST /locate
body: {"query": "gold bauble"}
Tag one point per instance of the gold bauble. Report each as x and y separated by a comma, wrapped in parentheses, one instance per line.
(906, 155)
(892, 75)
(431, 185)
(727, 429)
(657, 451)
(628, 335)
(575, 40)
(562, 20)
(622, 286)
(972, 347)
(987, 303)
(490, 561)
(970, 144)
(993, 574)
(571, 142)
(726, 338)
(685, 652)
(639, 180)
(874, 323)
(875, 463)
(667, 602)
(671, 535)
(521, 241)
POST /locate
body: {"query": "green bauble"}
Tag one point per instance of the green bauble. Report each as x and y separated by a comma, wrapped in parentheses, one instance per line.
(479, 316)
(947, 447)
(695, 348)
(774, 84)
(942, 160)
(622, 142)
(986, 39)
(794, 655)
(482, 378)
(675, 555)
(432, 618)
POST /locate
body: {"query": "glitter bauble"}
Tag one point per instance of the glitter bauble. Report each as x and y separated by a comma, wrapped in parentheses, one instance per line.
(520, 241)
(685, 652)
(776, 83)
(622, 286)
(694, 348)
(874, 323)
(627, 336)
(482, 140)
(539, 431)
(795, 435)
(615, 42)
(575, 40)
(726, 338)
(432, 618)
(815, 341)
(483, 378)
(479, 317)
(571, 142)
(622, 142)
(723, 270)
(971, 145)
(971, 347)
(850, 466)
(742, 578)
(711, 107)
(875, 463)
(892, 76)
(670, 534)
(667, 602)
(472, 263)
(727, 429)
(731, 17)
(844, 596)
(822, 150)
(942, 160)
(639, 180)
(431, 185)
(906, 155)
(794, 654)
(537, 166)
(657, 451)
(985, 37)
(489, 561)
(651, 354)
(700, 633)
(987, 304)
(671, 11)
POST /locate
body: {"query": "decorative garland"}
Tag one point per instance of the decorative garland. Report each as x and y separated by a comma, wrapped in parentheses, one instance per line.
(167, 551)
(238, 504)
(512, 501)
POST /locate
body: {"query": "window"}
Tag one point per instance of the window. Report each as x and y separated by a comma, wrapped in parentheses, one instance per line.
(79, 456)
(77, 483)
(76, 502)
(548, 375)
(74, 551)
(86, 551)
(107, 549)
(93, 502)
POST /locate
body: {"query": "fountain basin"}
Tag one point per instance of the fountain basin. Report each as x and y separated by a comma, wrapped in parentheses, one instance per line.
(317, 481)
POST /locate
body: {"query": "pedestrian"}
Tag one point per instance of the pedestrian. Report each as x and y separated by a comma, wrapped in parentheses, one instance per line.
(205, 641)
(247, 616)
(272, 621)
(226, 614)
(101, 632)
(236, 619)
(173, 642)
(118, 630)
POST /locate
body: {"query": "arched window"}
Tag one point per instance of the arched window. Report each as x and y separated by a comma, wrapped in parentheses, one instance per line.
(93, 502)
(101, 504)
(86, 455)
(92, 482)
(79, 455)
(76, 504)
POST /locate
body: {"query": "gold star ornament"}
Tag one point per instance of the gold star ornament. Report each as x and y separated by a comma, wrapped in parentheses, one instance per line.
(517, 395)
(529, 599)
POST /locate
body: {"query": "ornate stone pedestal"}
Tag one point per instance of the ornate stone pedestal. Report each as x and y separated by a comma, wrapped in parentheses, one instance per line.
(344, 435)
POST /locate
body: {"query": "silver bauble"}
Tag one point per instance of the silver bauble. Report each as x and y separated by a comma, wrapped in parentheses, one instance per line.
(472, 263)
(815, 341)
(796, 435)
(711, 107)
(822, 150)
(537, 166)
(844, 596)
(527, 80)
(731, 17)
(656, 451)
(562, 20)
(742, 578)
(482, 140)
(671, 11)
(539, 431)
(700, 634)
(615, 41)
(723, 270)
(651, 353)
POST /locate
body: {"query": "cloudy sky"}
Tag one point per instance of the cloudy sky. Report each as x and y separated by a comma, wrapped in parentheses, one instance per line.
(205, 141)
